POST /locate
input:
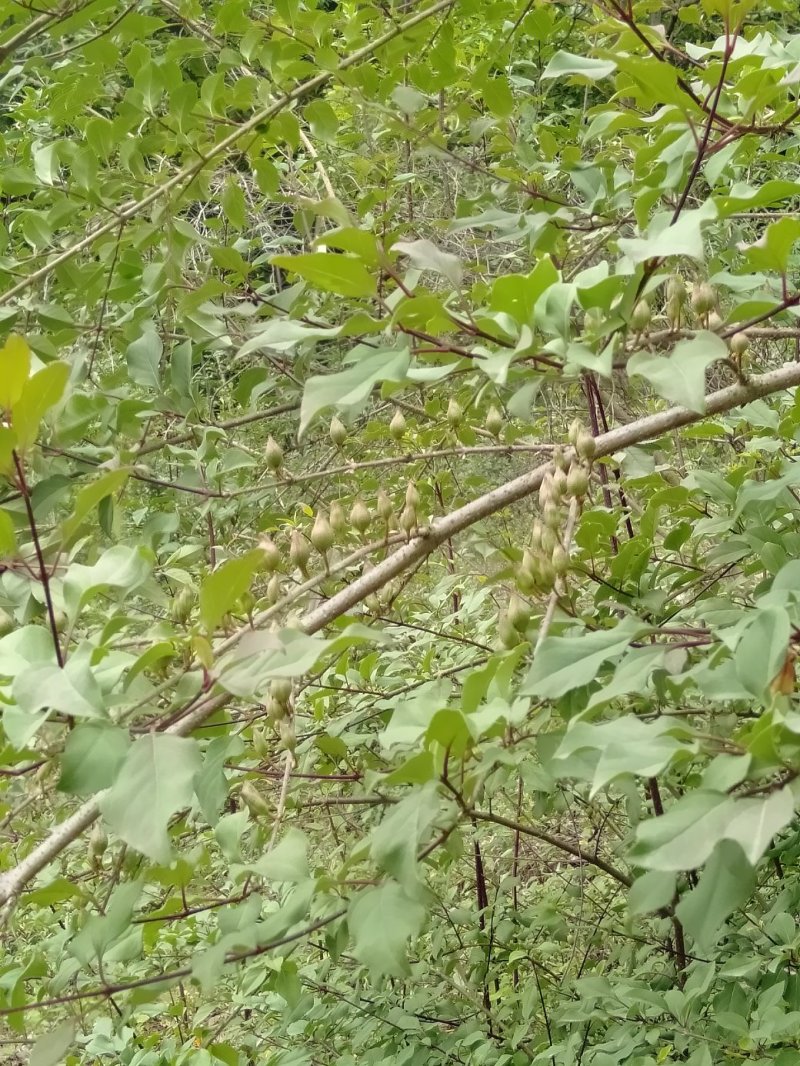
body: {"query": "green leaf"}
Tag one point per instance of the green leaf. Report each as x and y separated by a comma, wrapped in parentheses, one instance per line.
(89, 497)
(155, 782)
(121, 567)
(725, 884)
(100, 931)
(651, 892)
(223, 588)
(665, 238)
(681, 377)
(566, 663)
(426, 256)
(41, 392)
(773, 249)
(50, 1049)
(341, 274)
(288, 860)
(350, 389)
(397, 840)
(322, 119)
(144, 358)
(93, 754)
(381, 921)
(761, 650)
(565, 63)
(15, 368)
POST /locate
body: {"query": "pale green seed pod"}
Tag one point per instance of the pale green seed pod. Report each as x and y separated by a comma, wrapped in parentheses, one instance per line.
(519, 614)
(287, 734)
(322, 535)
(408, 519)
(577, 480)
(674, 310)
(560, 460)
(299, 550)
(548, 542)
(397, 426)
(412, 495)
(253, 800)
(280, 688)
(273, 453)
(559, 483)
(576, 427)
(337, 518)
(274, 589)
(454, 412)
(704, 297)
(508, 635)
(551, 516)
(337, 432)
(260, 742)
(384, 507)
(560, 559)
(739, 343)
(714, 321)
(494, 421)
(181, 606)
(585, 445)
(640, 318)
(360, 518)
(7, 624)
(98, 841)
(676, 290)
(270, 553)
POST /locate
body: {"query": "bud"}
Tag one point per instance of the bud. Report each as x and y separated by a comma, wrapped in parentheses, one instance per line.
(674, 308)
(739, 344)
(360, 517)
(260, 742)
(299, 550)
(640, 318)
(714, 321)
(273, 454)
(526, 573)
(280, 688)
(560, 461)
(181, 606)
(322, 535)
(337, 518)
(275, 710)
(547, 575)
(560, 559)
(494, 421)
(509, 637)
(546, 494)
(271, 554)
(519, 614)
(552, 516)
(454, 412)
(98, 841)
(408, 520)
(337, 432)
(287, 734)
(577, 481)
(559, 483)
(575, 429)
(585, 445)
(549, 541)
(704, 297)
(676, 290)
(412, 495)
(397, 426)
(253, 799)
(536, 535)
(384, 507)
(274, 590)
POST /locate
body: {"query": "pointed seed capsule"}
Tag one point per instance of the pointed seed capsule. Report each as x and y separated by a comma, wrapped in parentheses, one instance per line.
(360, 518)
(337, 517)
(397, 426)
(412, 495)
(271, 554)
(454, 412)
(322, 535)
(337, 432)
(519, 614)
(494, 421)
(273, 453)
(299, 550)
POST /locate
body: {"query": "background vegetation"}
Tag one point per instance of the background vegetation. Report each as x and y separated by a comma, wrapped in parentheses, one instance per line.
(400, 573)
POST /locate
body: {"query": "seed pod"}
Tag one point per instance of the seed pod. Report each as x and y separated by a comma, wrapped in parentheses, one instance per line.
(397, 426)
(509, 637)
(548, 542)
(676, 290)
(287, 734)
(337, 432)
(299, 550)
(275, 710)
(494, 421)
(674, 310)
(260, 742)
(577, 480)
(551, 516)
(274, 590)
(536, 535)
(714, 321)
(560, 461)
(547, 575)
(384, 507)
(360, 518)
(322, 535)
(253, 799)
(576, 427)
(408, 520)
(640, 318)
(372, 603)
(454, 412)
(739, 343)
(704, 297)
(412, 495)
(98, 841)
(273, 454)
(337, 518)
(585, 445)
(6, 623)
(546, 493)
(271, 554)
(560, 559)
(181, 606)
(280, 688)
(592, 320)
(526, 573)
(519, 614)
(559, 483)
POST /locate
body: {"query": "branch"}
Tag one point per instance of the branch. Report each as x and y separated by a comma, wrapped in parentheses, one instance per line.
(652, 426)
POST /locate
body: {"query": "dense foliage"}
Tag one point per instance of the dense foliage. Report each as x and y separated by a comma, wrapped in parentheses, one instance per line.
(400, 580)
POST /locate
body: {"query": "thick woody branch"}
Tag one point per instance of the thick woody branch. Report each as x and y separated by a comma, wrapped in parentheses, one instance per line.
(788, 376)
